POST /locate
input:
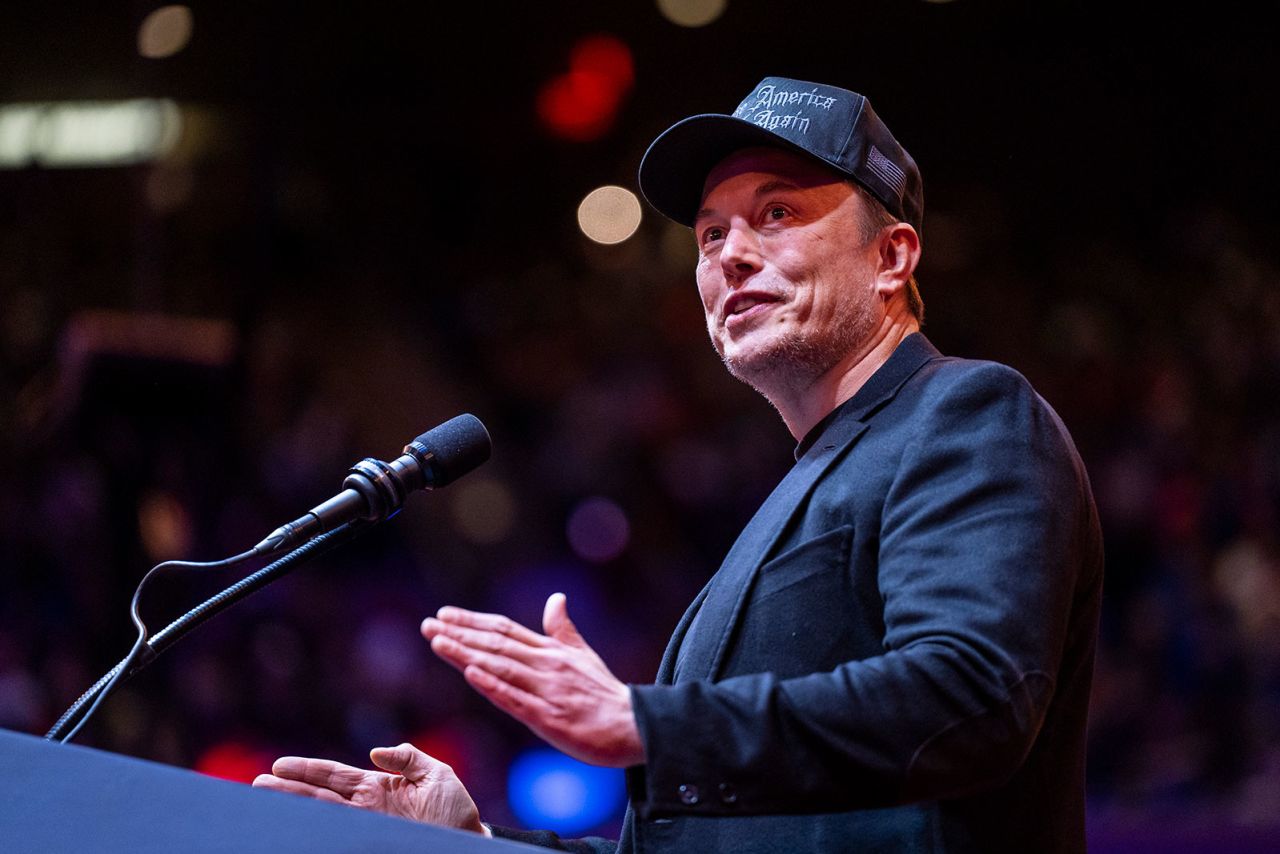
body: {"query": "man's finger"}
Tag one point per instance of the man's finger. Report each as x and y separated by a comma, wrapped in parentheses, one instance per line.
(404, 759)
(486, 641)
(507, 669)
(556, 622)
(491, 622)
(297, 787)
(520, 704)
(323, 773)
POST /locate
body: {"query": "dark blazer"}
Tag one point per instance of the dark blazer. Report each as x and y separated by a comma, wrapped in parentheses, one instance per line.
(896, 654)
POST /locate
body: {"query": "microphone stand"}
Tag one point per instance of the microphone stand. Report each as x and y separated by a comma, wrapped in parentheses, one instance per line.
(144, 652)
(372, 492)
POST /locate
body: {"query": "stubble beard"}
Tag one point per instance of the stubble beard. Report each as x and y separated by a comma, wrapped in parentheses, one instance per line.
(796, 359)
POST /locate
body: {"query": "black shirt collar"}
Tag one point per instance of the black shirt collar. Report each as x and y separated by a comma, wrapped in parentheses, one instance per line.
(911, 353)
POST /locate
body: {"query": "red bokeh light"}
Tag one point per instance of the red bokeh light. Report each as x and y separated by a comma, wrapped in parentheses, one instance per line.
(606, 56)
(235, 761)
(447, 745)
(581, 104)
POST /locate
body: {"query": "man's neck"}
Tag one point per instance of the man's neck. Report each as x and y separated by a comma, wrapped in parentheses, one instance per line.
(802, 408)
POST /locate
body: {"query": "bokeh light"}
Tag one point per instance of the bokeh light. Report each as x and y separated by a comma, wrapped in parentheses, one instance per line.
(581, 104)
(234, 760)
(576, 106)
(165, 527)
(547, 789)
(609, 214)
(606, 57)
(598, 530)
(447, 743)
(74, 134)
(483, 510)
(692, 13)
(165, 31)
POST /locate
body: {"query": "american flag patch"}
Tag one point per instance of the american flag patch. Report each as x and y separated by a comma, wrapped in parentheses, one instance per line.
(886, 170)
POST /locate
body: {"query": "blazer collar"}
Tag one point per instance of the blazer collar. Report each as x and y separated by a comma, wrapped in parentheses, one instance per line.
(879, 389)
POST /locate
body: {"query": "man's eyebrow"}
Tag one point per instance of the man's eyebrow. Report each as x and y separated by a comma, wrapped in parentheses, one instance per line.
(774, 186)
(764, 189)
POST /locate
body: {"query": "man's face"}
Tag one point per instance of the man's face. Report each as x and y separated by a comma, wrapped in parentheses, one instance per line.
(786, 281)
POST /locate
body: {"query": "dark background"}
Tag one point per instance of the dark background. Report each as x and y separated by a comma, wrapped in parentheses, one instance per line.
(373, 232)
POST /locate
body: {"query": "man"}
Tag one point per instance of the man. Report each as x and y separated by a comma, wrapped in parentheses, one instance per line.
(896, 653)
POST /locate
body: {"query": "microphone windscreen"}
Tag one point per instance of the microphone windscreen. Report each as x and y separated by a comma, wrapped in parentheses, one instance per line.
(455, 448)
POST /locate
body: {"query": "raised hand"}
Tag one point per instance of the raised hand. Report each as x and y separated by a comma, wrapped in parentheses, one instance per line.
(555, 683)
(411, 785)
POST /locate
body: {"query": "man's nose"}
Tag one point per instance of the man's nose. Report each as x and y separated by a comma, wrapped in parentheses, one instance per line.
(740, 255)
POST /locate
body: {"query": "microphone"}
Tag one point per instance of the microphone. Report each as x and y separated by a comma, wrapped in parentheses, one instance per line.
(374, 490)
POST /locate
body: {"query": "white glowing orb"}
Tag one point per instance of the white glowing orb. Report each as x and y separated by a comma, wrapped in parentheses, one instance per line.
(71, 134)
(609, 214)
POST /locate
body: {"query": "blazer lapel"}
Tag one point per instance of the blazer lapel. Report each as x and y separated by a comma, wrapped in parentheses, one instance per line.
(667, 669)
(718, 608)
(725, 594)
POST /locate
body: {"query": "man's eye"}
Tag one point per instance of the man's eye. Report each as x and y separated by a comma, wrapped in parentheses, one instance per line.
(777, 212)
(712, 234)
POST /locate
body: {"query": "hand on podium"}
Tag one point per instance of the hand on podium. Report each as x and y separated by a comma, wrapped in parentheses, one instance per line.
(411, 785)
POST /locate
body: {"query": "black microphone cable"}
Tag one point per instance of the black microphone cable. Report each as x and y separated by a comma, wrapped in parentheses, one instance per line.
(144, 652)
(105, 686)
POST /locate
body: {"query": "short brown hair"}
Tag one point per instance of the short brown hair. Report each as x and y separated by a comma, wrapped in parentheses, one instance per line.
(877, 217)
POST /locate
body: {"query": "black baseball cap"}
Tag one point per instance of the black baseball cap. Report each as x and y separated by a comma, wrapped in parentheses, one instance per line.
(832, 125)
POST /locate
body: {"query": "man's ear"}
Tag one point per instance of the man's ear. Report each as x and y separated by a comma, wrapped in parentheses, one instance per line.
(899, 255)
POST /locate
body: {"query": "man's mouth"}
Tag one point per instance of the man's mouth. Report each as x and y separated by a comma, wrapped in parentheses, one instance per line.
(741, 306)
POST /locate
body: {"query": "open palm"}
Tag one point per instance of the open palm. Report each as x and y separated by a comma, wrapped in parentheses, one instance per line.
(411, 785)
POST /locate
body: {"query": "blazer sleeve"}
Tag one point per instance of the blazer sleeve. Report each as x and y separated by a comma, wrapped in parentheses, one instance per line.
(548, 839)
(983, 533)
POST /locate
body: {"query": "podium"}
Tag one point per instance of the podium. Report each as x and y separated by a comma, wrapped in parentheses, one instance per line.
(58, 798)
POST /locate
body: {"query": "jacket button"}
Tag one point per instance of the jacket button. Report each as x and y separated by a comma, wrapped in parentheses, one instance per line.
(728, 793)
(688, 794)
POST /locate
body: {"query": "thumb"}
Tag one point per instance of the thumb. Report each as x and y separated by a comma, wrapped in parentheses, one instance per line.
(404, 759)
(556, 622)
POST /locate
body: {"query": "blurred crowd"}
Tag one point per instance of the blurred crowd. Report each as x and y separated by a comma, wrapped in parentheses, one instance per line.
(624, 463)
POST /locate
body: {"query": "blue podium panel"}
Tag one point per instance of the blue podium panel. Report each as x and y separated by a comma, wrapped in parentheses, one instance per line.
(58, 798)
